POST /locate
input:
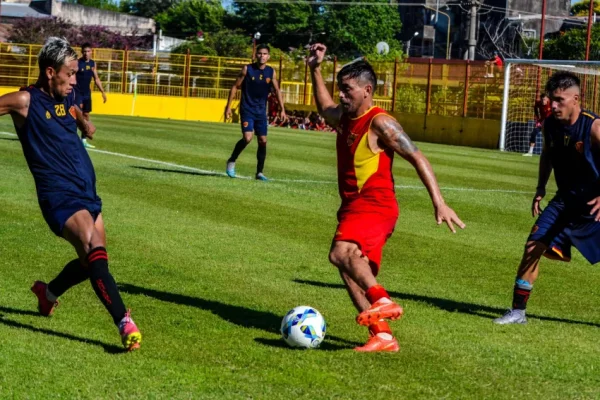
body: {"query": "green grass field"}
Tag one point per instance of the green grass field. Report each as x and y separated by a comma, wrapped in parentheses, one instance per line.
(209, 266)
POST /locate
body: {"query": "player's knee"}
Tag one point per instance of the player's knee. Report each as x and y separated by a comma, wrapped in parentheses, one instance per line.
(248, 137)
(340, 254)
(262, 140)
(535, 248)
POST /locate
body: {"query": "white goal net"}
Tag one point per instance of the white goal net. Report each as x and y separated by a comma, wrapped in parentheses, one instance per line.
(524, 81)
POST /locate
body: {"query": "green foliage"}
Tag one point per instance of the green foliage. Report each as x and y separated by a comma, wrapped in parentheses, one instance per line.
(354, 30)
(410, 99)
(582, 8)
(108, 5)
(571, 45)
(147, 8)
(224, 44)
(287, 24)
(188, 17)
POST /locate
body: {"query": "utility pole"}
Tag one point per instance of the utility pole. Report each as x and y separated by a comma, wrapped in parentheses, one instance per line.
(473, 30)
(474, 6)
(589, 31)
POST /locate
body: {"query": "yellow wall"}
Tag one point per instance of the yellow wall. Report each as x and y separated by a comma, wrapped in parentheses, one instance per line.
(168, 107)
(459, 131)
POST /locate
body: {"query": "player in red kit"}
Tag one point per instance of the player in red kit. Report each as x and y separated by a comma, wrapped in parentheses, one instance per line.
(542, 109)
(366, 142)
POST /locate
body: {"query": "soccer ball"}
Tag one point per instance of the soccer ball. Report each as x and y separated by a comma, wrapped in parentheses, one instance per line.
(303, 326)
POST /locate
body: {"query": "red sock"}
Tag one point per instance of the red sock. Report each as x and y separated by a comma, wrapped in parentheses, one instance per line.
(375, 293)
(379, 327)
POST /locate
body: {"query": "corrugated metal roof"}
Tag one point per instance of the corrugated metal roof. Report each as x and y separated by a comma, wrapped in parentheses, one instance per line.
(17, 10)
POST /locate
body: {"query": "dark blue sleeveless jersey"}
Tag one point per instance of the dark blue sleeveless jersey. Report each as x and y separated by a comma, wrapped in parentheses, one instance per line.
(255, 90)
(576, 164)
(60, 165)
(84, 76)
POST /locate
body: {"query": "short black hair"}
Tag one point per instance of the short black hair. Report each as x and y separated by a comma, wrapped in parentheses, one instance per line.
(262, 46)
(562, 80)
(543, 95)
(85, 46)
(359, 70)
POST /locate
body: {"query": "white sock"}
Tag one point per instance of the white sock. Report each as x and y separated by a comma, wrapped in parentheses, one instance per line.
(531, 150)
(385, 336)
(51, 298)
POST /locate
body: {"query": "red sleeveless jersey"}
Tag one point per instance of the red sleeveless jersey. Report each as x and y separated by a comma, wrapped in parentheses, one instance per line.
(362, 173)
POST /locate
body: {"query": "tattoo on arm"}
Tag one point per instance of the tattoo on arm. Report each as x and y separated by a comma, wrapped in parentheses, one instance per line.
(394, 136)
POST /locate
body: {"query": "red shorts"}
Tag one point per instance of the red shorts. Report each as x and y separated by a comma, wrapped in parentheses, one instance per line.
(369, 230)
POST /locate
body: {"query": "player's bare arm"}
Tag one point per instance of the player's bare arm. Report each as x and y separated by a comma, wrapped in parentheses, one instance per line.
(17, 105)
(275, 82)
(236, 86)
(326, 106)
(595, 136)
(545, 169)
(391, 135)
(84, 125)
(98, 83)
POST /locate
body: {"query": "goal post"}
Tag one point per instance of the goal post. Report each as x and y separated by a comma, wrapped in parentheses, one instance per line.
(524, 81)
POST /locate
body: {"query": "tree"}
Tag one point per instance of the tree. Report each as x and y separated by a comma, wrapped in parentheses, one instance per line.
(571, 45)
(188, 17)
(287, 24)
(147, 8)
(354, 29)
(224, 43)
(108, 5)
(582, 8)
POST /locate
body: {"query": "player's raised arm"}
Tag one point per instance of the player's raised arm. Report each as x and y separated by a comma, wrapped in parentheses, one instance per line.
(282, 115)
(83, 124)
(325, 104)
(98, 83)
(236, 86)
(390, 132)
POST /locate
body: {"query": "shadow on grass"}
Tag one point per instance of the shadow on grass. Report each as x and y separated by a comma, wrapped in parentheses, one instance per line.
(179, 171)
(9, 139)
(238, 315)
(108, 348)
(452, 305)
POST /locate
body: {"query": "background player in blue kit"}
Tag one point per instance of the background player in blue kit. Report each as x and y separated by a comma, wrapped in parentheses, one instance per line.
(572, 149)
(46, 119)
(86, 70)
(256, 82)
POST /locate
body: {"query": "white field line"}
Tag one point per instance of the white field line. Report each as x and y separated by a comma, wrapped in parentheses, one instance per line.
(217, 173)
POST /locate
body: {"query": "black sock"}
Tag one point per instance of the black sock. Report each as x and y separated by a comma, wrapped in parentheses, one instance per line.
(261, 155)
(72, 274)
(104, 284)
(237, 150)
(521, 293)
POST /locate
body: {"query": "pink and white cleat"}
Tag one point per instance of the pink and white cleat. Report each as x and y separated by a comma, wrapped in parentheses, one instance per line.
(130, 334)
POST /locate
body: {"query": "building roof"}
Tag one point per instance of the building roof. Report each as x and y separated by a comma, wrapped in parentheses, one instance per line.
(19, 10)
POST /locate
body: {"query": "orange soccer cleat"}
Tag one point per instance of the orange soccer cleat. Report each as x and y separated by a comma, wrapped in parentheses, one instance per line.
(382, 309)
(377, 344)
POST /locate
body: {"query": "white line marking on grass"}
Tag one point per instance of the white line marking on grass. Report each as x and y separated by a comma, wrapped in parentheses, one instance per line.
(216, 173)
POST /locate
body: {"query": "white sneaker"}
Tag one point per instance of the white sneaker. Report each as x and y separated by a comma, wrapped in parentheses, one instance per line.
(528, 155)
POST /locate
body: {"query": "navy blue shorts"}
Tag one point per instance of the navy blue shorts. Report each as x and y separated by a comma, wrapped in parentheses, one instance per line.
(56, 216)
(84, 101)
(560, 227)
(254, 124)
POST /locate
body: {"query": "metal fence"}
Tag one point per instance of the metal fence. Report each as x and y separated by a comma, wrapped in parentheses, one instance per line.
(425, 86)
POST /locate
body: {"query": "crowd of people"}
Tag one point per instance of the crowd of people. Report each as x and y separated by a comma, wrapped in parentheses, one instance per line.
(309, 121)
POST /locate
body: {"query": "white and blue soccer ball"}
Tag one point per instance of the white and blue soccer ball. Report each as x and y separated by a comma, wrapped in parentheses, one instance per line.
(304, 327)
